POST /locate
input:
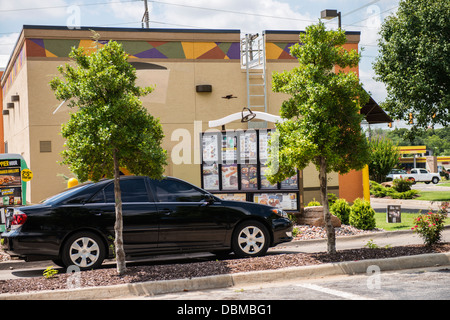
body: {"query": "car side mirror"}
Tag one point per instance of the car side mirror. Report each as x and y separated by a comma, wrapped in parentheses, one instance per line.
(208, 198)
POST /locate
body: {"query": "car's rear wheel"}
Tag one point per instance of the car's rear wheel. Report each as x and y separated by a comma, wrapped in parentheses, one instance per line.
(84, 250)
(435, 180)
(250, 239)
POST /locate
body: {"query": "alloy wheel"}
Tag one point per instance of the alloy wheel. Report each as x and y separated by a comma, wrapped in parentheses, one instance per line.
(84, 252)
(251, 240)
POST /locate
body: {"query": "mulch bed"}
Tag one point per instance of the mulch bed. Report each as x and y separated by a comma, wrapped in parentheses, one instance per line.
(155, 271)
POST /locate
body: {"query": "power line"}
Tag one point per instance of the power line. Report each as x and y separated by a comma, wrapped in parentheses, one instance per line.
(354, 23)
(354, 10)
(230, 11)
(67, 6)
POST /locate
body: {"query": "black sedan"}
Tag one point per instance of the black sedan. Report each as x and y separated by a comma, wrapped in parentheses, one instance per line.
(76, 227)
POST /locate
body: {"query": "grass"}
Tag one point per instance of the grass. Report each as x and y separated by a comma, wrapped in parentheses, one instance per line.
(444, 184)
(406, 224)
(434, 195)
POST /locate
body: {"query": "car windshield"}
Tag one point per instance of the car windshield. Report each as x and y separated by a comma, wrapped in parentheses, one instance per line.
(65, 195)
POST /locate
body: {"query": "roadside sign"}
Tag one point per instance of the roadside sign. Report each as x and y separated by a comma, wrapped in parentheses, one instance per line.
(394, 214)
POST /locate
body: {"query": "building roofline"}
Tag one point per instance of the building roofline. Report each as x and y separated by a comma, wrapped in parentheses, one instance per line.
(173, 30)
(349, 33)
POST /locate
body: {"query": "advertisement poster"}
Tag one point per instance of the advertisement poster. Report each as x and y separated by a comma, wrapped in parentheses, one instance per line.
(229, 148)
(229, 177)
(211, 177)
(232, 196)
(10, 183)
(290, 183)
(210, 148)
(264, 138)
(265, 184)
(285, 201)
(248, 147)
(249, 177)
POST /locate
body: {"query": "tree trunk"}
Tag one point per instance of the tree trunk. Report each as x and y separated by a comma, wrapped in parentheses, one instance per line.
(331, 242)
(118, 226)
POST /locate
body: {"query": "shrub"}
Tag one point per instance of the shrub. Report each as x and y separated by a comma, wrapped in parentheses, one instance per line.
(362, 216)
(379, 191)
(50, 272)
(331, 198)
(402, 185)
(341, 209)
(404, 195)
(429, 227)
(313, 203)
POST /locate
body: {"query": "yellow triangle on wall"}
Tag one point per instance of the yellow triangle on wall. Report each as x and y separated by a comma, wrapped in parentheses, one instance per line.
(48, 54)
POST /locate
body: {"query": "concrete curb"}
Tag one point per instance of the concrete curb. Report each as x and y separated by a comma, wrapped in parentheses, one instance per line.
(230, 280)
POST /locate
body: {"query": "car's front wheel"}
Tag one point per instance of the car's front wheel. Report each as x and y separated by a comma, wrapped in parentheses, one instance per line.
(84, 250)
(250, 239)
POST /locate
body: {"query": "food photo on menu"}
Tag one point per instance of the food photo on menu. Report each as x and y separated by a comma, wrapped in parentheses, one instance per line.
(285, 201)
(211, 177)
(249, 176)
(229, 177)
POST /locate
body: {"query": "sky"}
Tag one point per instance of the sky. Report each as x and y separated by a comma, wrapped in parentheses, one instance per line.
(249, 16)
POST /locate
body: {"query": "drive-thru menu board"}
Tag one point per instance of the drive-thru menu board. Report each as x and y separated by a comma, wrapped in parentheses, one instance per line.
(233, 168)
(10, 182)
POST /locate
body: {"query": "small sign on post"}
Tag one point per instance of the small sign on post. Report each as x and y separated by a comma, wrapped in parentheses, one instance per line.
(394, 214)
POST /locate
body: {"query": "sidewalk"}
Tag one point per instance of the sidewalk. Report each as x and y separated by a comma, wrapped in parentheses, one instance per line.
(412, 206)
(394, 238)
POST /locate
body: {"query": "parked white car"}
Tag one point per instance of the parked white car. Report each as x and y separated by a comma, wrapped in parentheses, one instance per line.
(393, 172)
(419, 175)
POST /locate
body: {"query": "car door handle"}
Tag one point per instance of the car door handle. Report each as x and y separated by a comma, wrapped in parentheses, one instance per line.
(97, 213)
(166, 212)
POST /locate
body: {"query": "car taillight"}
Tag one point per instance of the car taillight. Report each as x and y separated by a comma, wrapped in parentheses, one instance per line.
(18, 219)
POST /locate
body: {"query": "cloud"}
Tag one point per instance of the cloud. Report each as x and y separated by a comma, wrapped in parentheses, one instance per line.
(376, 88)
(249, 16)
(128, 11)
(7, 43)
(25, 10)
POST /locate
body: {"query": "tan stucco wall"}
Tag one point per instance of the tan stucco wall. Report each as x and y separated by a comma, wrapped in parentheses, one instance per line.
(174, 100)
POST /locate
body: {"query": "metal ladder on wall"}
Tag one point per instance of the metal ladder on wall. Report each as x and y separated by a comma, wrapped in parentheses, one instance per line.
(253, 60)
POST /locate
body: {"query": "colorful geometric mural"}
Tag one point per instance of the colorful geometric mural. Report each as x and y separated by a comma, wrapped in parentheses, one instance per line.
(278, 50)
(139, 49)
(20, 60)
(191, 50)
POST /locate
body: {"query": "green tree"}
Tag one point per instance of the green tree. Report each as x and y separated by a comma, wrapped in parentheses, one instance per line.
(111, 128)
(323, 124)
(414, 62)
(384, 157)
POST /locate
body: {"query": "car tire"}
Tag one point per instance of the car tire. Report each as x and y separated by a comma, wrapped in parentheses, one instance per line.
(85, 250)
(250, 239)
(435, 180)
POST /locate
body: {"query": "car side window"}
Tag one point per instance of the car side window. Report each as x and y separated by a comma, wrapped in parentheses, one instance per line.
(413, 171)
(176, 191)
(423, 171)
(133, 190)
(99, 197)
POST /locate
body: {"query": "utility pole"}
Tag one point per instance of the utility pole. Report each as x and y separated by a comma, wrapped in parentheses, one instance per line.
(146, 18)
